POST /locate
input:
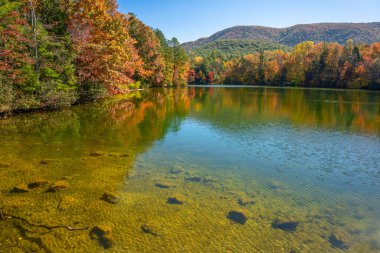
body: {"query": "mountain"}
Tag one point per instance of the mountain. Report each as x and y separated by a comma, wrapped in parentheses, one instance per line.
(329, 32)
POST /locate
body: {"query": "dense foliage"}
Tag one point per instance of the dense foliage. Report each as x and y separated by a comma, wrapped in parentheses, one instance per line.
(232, 48)
(309, 64)
(54, 53)
(362, 33)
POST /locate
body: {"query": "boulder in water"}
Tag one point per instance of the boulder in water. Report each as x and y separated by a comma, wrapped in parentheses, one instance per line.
(102, 234)
(339, 241)
(152, 228)
(21, 188)
(194, 179)
(38, 183)
(59, 186)
(164, 184)
(110, 197)
(288, 226)
(66, 203)
(238, 216)
(177, 199)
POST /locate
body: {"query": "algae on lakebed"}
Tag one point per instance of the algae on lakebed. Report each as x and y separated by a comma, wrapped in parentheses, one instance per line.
(200, 219)
(172, 169)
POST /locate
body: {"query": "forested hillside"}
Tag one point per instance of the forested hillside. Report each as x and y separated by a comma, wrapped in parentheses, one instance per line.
(309, 64)
(54, 53)
(232, 48)
(361, 33)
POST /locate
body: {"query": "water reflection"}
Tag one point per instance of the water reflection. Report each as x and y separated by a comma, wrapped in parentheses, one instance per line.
(343, 110)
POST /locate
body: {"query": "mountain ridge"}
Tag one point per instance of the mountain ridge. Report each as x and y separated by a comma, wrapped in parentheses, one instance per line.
(362, 33)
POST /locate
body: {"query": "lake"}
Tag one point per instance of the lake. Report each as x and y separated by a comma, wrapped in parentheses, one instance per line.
(196, 169)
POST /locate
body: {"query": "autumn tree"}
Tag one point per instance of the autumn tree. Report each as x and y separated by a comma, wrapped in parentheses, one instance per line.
(148, 46)
(299, 62)
(15, 60)
(106, 52)
(181, 66)
(311, 65)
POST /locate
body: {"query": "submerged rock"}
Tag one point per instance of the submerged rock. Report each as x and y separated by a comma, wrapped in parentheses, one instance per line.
(194, 179)
(59, 186)
(95, 154)
(152, 228)
(276, 185)
(245, 200)
(66, 203)
(238, 216)
(237, 194)
(289, 226)
(38, 183)
(338, 242)
(4, 165)
(45, 162)
(242, 198)
(115, 155)
(21, 188)
(67, 178)
(210, 179)
(177, 199)
(110, 197)
(102, 234)
(175, 171)
(164, 184)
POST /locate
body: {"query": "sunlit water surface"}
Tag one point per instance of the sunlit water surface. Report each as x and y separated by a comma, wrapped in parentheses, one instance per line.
(197, 169)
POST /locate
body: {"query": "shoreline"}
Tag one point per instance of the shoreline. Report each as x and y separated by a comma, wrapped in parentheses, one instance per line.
(7, 114)
(283, 86)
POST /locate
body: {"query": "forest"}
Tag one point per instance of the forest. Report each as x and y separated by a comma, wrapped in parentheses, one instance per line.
(234, 48)
(308, 64)
(54, 53)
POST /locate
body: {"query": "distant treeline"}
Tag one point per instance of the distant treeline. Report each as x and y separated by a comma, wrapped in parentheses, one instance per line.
(309, 64)
(54, 53)
(228, 49)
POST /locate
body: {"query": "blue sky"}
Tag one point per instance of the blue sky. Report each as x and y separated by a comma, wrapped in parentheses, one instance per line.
(192, 19)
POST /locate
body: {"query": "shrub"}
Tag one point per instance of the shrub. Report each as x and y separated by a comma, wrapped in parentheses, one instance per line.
(53, 97)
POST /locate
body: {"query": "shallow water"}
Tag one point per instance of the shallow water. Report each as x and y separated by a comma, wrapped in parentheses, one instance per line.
(198, 169)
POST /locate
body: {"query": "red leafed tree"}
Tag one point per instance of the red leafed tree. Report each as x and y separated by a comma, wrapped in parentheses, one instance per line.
(210, 78)
(191, 75)
(14, 52)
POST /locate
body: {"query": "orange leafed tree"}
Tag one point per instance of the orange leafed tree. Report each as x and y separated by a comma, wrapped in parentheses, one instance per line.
(148, 47)
(106, 52)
